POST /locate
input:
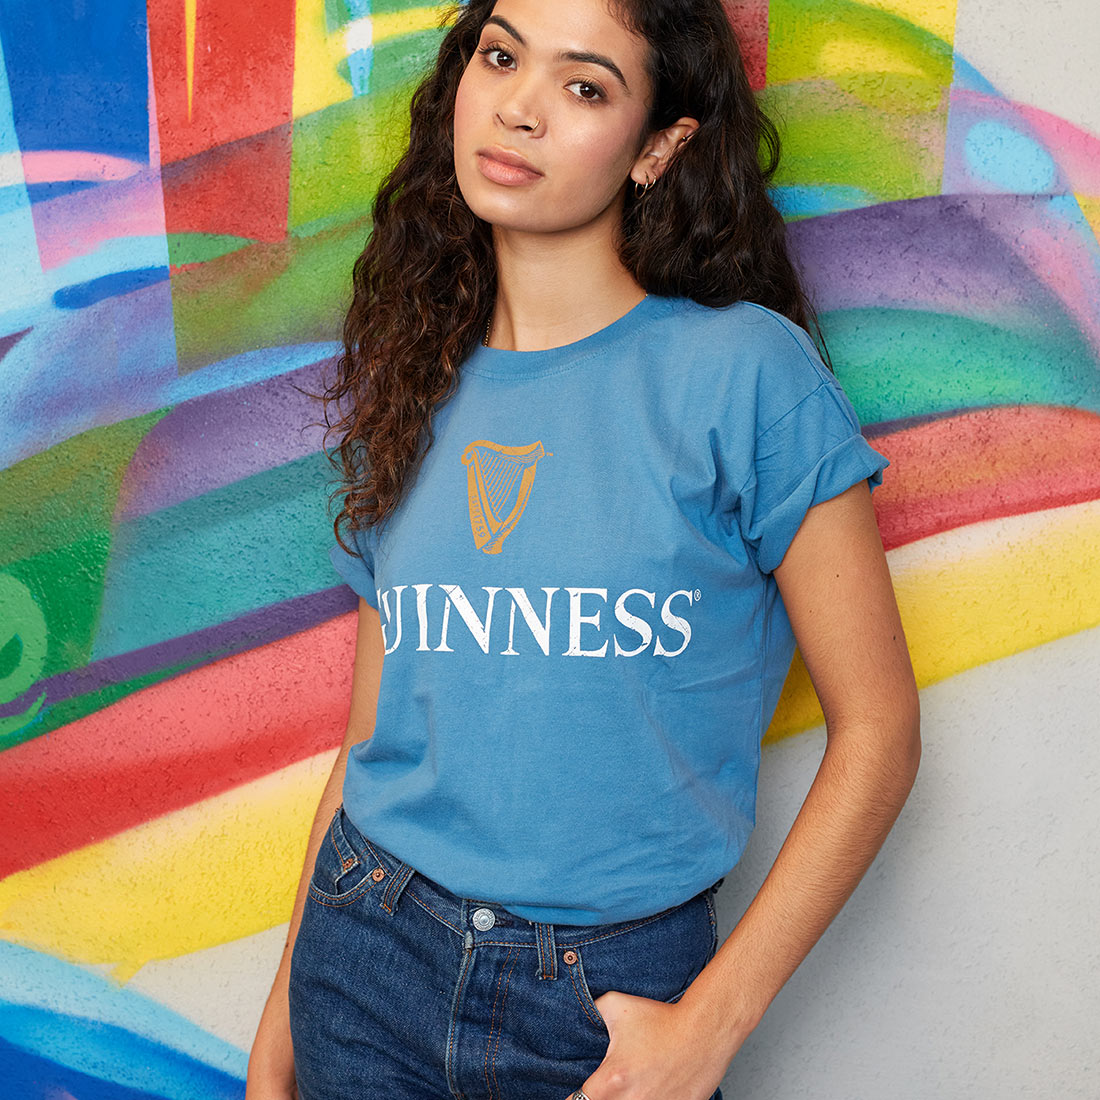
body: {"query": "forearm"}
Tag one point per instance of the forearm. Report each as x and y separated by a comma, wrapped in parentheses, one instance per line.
(850, 808)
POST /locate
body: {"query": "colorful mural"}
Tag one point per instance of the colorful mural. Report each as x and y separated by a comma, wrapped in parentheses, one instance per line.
(183, 187)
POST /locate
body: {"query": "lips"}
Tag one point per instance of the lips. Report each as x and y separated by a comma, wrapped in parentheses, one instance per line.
(507, 156)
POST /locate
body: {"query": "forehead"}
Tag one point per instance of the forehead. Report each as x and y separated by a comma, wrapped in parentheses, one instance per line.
(575, 26)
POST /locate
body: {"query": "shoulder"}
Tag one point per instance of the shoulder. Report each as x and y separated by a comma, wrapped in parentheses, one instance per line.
(753, 356)
(749, 329)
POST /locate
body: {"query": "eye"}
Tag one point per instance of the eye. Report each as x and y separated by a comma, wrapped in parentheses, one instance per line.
(491, 48)
(588, 84)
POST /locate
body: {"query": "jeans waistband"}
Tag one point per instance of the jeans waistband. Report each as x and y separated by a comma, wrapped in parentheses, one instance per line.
(481, 921)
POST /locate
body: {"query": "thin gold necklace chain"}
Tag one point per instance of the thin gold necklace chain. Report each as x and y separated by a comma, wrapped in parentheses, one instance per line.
(489, 325)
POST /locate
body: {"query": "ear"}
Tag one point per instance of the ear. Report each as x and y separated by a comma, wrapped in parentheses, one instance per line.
(660, 148)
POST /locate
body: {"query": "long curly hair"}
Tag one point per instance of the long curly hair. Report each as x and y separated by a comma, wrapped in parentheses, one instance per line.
(424, 286)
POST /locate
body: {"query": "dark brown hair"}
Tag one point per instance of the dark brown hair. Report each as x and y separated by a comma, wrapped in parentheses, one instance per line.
(424, 286)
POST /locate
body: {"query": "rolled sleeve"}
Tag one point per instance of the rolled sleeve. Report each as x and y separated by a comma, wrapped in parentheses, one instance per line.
(813, 453)
(357, 572)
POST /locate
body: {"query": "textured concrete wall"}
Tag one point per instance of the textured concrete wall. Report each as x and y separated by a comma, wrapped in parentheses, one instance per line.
(183, 188)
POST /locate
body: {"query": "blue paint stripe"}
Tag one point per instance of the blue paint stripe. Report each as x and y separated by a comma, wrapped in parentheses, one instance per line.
(42, 1052)
(78, 75)
(107, 286)
(67, 1004)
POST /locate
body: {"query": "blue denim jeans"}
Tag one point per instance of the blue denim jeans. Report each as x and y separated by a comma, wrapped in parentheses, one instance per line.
(403, 990)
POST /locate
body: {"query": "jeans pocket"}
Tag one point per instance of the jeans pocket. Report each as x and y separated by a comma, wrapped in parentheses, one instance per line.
(343, 872)
(708, 895)
(657, 957)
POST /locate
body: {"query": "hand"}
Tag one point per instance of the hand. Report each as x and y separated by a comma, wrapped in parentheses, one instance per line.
(270, 1073)
(657, 1050)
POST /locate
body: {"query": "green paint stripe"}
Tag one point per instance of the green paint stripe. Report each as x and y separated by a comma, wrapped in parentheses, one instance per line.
(896, 363)
(197, 248)
(259, 541)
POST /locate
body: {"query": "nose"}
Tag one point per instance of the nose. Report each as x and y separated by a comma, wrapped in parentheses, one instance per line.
(519, 108)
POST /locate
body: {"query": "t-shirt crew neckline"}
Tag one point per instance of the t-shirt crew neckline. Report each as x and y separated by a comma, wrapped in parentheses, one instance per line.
(506, 363)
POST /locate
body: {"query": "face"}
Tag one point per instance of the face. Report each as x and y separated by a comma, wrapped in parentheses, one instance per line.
(581, 125)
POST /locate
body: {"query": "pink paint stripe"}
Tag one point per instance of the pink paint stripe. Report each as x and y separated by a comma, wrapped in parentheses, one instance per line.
(76, 224)
(57, 165)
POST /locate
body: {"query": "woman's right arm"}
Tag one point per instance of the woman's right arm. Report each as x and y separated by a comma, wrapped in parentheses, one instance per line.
(271, 1061)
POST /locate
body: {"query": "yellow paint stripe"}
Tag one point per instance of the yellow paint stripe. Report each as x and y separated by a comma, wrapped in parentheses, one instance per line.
(979, 593)
(395, 23)
(1090, 207)
(319, 52)
(937, 16)
(220, 869)
(857, 55)
(190, 11)
(317, 55)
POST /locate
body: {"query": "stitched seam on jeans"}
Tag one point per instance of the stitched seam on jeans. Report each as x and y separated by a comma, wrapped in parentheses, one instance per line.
(583, 995)
(339, 901)
(500, 1030)
(620, 931)
(511, 957)
(423, 904)
(457, 999)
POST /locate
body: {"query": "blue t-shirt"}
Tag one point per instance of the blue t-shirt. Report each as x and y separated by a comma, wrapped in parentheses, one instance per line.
(584, 641)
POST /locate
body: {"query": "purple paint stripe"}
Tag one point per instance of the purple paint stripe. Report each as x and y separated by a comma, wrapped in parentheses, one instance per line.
(201, 647)
(899, 424)
(215, 440)
(9, 340)
(958, 254)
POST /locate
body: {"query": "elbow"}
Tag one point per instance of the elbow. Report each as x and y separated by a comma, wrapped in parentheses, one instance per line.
(909, 741)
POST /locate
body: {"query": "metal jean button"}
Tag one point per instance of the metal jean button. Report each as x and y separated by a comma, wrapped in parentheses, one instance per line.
(484, 919)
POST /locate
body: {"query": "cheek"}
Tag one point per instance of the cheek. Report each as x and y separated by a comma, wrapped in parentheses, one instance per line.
(464, 105)
(602, 154)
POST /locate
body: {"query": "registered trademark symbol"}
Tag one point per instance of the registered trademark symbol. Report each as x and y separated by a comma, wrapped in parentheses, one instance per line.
(698, 594)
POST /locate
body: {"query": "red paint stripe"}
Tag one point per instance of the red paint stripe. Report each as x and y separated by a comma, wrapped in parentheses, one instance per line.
(984, 464)
(226, 165)
(243, 78)
(749, 19)
(241, 189)
(176, 743)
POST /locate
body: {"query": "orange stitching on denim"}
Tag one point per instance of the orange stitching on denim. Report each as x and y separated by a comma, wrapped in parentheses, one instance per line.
(377, 858)
(574, 977)
(492, 1025)
(425, 905)
(467, 959)
(332, 837)
(500, 1031)
(354, 895)
(619, 931)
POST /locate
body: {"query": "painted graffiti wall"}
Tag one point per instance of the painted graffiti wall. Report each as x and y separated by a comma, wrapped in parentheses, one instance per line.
(184, 185)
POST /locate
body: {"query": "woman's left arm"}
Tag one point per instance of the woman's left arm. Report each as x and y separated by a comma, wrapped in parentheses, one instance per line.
(836, 587)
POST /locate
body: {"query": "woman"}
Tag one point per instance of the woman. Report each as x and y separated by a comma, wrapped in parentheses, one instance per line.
(597, 483)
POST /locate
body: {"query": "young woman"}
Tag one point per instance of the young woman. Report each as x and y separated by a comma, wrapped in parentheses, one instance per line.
(597, 482)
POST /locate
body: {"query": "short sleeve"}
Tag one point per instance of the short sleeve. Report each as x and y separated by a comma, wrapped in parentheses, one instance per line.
(357, 571)
(812, 453)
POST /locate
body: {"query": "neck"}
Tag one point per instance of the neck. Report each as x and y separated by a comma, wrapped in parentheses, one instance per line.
(556, 288)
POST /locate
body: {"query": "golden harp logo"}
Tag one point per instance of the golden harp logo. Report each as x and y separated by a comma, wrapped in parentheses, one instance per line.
(496, 500)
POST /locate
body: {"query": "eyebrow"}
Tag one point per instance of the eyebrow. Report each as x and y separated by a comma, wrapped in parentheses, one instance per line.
(566, 55)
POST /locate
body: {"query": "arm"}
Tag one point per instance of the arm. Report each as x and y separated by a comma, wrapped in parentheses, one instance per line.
(271, 1061)
(836, 587)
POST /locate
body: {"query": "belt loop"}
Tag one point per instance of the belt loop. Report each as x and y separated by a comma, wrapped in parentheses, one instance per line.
(548, 953)
(397, 883)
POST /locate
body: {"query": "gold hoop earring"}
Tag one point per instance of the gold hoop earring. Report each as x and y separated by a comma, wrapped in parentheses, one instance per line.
(648, 184)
